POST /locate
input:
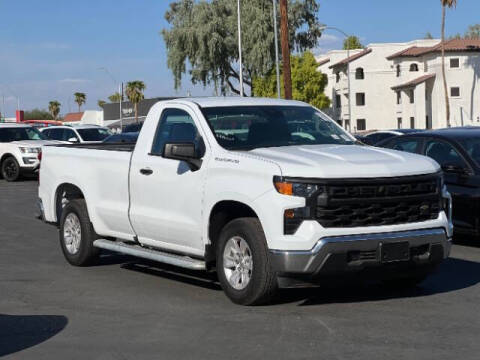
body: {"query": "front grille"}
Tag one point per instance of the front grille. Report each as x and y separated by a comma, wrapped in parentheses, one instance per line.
(379, 202)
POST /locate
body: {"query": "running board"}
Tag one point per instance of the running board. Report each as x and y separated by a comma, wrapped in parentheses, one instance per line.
(155, 255)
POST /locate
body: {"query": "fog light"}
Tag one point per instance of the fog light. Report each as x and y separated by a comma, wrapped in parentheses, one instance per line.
(293, 218)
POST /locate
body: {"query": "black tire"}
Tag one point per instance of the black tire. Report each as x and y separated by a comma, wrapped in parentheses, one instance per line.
(10, 169)
(263, 282)
(86, 253)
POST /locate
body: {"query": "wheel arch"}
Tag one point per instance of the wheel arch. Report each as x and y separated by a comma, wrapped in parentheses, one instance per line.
(220, 215)
(66, 191)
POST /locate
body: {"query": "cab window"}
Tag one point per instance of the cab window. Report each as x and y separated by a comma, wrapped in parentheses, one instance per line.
(444, 153)
(175, 126)
(408, 145)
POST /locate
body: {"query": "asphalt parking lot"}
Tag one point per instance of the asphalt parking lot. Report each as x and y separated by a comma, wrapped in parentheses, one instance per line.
(126, 308)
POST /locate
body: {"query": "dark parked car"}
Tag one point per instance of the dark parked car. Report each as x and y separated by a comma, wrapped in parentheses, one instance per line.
(457, 150)
(376, 137)
(135, 127)
(128, 138)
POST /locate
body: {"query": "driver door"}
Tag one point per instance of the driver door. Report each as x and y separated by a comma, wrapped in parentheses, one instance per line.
(167, 195)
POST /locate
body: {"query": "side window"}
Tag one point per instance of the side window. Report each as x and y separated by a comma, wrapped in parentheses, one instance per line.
(444, 153)
(46, 133)
(68, 134)
(408, 145)
(175, 126)
(56, 134)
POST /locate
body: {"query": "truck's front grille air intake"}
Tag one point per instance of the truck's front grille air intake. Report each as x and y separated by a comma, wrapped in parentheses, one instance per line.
(357, 203)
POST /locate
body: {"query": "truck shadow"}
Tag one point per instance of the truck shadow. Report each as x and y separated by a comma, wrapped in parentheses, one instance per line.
(19, 332)
(452, 275)
(191, 277)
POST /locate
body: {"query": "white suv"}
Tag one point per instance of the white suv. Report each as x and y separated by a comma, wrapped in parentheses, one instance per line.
(77, 134)
(20, 145)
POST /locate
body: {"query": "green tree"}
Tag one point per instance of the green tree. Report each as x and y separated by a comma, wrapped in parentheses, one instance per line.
(100, 103)
(134, 92)
(352, 42)
(115, 97)
(202, 38)
(445, 4)
(80, 99)
(473, 32)
(308, 84)
(428, 36)
(37, 114)
(54, 108)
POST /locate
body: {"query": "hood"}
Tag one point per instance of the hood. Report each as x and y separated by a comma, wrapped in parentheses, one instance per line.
(36, 143)
(346, 161)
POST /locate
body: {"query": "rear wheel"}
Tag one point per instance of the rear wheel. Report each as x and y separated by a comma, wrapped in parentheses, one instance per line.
(77, 234)
(10, 169)
(243, 264)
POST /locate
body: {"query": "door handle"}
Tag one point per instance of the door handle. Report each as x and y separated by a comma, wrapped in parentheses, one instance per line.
(146, 171)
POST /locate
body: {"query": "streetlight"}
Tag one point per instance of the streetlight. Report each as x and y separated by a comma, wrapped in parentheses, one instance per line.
(322, 28)
(240, 47)
(120, 91)
(277, 64)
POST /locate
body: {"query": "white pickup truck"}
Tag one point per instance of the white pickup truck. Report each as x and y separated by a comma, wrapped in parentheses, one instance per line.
(263, 191)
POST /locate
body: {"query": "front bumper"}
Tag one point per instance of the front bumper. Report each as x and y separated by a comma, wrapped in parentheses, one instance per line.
(353, 253)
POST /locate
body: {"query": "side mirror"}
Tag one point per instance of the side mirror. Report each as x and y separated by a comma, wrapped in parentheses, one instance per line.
(73, 140)
(454, 169)
(185, 152)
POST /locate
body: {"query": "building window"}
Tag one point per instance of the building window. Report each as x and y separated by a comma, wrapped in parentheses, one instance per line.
(455, 91)
(338, 101)
(398, 70)
(412, 123)
(337, 77)
(361, 124)
(413, 67)
(347, 125)
(411, 95)
(339, 122)
(399, 97)
(399, 123)
(454, 63)
(428, 123)
(360, 99)
(359, 74)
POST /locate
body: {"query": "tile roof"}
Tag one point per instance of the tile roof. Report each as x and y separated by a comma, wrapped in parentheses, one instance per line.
(450, 46)
(76, 116)
(323, 62)
(351, 58)
(413, 83)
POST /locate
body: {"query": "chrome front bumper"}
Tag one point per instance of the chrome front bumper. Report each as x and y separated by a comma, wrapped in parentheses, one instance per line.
(351, 253)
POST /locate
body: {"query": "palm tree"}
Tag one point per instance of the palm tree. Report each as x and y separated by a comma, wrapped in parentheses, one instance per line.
(80, 99)
(100, 103)
(450, 4)
(54, 108)
(135, 94)
(115, 97)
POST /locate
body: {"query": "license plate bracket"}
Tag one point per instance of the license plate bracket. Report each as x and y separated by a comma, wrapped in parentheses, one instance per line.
(396, 251)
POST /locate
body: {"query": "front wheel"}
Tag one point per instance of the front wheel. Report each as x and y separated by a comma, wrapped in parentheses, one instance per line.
(77, 234)
(243, 264)
(10, 169)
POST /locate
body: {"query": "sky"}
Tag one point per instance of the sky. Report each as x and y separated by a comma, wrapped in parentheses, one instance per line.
(50, 49)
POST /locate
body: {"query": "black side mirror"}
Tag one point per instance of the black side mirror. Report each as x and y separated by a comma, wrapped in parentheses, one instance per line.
(185, 152)
(454, 169)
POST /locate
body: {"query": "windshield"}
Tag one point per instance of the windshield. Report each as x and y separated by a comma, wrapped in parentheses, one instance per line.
(251, 127)
(94, 134)
(20, 133)
(472, 147)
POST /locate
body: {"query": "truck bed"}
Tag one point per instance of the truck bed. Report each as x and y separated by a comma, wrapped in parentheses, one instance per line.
(100, 146)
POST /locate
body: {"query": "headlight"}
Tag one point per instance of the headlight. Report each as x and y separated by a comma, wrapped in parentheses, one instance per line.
(296, 188)
(29, 150)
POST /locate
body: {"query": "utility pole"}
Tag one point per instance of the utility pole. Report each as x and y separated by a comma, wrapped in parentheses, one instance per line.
(287, 76)
(240, 47)
(277, 63)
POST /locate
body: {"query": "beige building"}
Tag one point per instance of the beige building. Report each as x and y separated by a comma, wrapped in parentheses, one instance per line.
(400, 85)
